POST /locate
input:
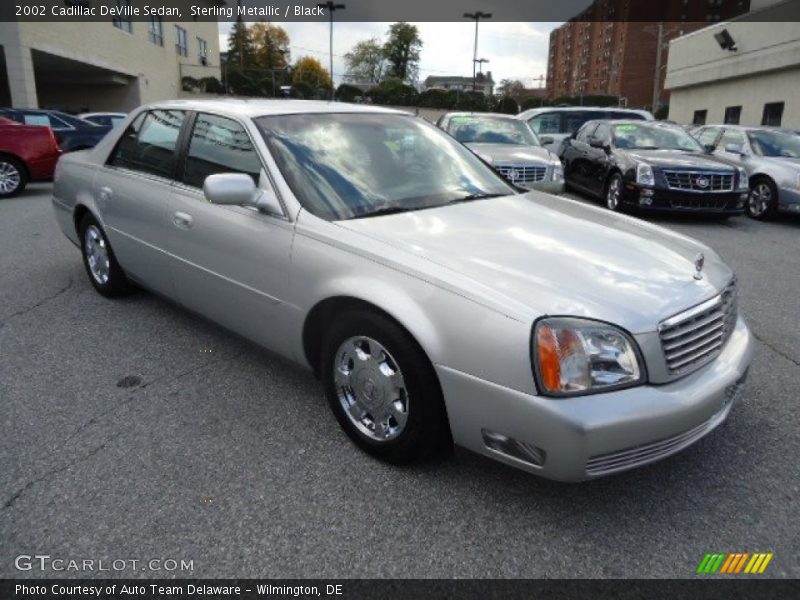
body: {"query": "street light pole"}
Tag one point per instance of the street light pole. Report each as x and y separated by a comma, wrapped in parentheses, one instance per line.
(331, 7)
(476, 16)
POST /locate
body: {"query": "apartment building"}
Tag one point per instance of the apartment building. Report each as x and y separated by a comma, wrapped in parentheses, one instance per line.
(745, 71)
(619, 47)
(97, 66)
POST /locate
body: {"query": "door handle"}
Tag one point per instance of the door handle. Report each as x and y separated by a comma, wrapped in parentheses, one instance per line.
(106, 193)
(182, 220)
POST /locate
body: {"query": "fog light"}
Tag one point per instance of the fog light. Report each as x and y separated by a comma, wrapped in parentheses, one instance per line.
(514, 448)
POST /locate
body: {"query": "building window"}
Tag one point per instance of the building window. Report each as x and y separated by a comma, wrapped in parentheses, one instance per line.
(700, 117)
(773, 114)
(123, 22)
(156, 31)
(181, 45)
(732, 114)
(202, 51)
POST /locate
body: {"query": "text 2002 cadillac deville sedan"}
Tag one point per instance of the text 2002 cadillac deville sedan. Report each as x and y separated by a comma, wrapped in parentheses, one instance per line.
(434, 301)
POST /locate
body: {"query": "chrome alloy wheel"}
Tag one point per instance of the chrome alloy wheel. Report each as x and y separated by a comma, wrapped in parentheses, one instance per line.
(371, 388)
(613, 193)
(94, 245)
(10, 177)
(760, 199)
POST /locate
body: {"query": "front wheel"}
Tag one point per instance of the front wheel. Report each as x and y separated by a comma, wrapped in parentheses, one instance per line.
(13, 177)
(104, 271)
(382, 388)
(614, 193)
(762, 203)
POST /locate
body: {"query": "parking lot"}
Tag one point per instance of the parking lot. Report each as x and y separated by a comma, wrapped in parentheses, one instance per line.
(132, 429)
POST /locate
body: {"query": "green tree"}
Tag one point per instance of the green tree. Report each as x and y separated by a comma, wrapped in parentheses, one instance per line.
(402, 51)
(510, 87)
(310, 72)
(241, 51)
(366, 62)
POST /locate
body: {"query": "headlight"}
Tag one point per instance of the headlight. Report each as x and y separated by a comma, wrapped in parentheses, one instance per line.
(644, 174)
(558, 172)
(573, 357)
(743, 181)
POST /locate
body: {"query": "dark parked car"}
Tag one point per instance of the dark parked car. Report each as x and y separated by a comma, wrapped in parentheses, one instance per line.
(651, 166)
(71, 132)
(27, 153)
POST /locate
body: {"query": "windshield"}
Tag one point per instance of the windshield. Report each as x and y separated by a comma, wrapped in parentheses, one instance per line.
(469, 129)
(775, 143)
(630, 136)
(342, 166)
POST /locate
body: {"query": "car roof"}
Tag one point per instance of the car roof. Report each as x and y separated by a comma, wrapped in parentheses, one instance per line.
(481, 114)
(257, 108)
(584, 108)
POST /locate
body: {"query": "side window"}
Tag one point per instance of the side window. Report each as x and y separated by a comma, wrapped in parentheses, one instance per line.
(44, 119)
(708, 136)
(628, 116)
(149, 144)
(731, 136)
(603, 133)
(219, 145)
(585, 132)
(546, 123)
(575, 118)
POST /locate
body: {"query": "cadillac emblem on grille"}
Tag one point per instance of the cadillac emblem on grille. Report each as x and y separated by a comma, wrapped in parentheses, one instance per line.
(513, 174)
(702, 182)
(699, 261)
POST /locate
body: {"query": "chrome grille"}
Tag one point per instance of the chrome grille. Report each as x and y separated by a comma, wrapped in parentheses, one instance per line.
(696, 336)
(699, 181)
(522, 173)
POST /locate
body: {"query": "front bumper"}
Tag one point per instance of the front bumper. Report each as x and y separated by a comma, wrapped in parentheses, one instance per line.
(661, 199)
(590, 436)
(550, 187)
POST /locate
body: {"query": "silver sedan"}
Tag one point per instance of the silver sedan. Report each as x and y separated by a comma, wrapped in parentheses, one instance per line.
(435, 303)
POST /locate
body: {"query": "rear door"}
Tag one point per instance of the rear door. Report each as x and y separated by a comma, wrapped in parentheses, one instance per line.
(230, 263)
(132, 191)
(598, 159)
(576, 156)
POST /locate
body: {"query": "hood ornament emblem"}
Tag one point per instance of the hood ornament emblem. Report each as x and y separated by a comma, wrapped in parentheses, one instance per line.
(699, 261)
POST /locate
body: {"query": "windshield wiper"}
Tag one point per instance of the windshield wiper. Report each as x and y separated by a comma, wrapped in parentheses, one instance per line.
(475, 196)
(386, 210)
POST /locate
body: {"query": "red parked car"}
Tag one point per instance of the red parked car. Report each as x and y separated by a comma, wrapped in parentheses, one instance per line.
(27, 153)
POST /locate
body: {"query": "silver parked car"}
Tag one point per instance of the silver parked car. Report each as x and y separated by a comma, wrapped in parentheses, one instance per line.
(771, 158)
(510, 146)
(434, 302)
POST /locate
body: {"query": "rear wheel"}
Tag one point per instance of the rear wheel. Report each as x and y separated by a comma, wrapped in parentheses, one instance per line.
(614, 192)
(13, 177)
(382, 388)
(762, 203)
(104, 271)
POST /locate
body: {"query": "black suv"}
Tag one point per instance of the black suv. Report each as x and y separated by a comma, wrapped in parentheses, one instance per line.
(71, 132)
(651, 166)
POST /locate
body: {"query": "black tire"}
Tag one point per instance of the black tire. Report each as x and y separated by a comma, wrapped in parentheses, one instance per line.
(758, 186)
(426, 429)
(614, 179)
(117, 283)
(12, 172)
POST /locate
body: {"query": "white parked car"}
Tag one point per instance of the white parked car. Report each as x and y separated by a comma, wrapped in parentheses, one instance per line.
(435, 302)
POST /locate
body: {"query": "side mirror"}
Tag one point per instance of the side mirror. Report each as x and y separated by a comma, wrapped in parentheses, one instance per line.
(238, 189)
(547, 140)
(734, 149)
(595, 143)
(709, 148)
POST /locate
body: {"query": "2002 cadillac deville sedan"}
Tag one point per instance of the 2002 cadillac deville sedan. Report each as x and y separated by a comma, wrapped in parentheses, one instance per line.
(435, 302)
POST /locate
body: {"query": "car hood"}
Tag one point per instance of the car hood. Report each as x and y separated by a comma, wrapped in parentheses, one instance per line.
(513, 153)
(677, 159)
(534, 254)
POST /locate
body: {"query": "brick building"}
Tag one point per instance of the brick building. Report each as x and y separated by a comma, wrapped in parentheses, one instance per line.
(610, 48)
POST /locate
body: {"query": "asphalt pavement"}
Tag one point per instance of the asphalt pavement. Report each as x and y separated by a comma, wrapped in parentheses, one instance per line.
(134, 430)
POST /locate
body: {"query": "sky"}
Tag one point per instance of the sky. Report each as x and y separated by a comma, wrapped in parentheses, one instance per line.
(514, 50)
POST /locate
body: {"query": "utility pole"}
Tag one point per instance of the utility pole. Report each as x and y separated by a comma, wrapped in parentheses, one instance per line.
(657, 78)
(331, 7)
(476, 16)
